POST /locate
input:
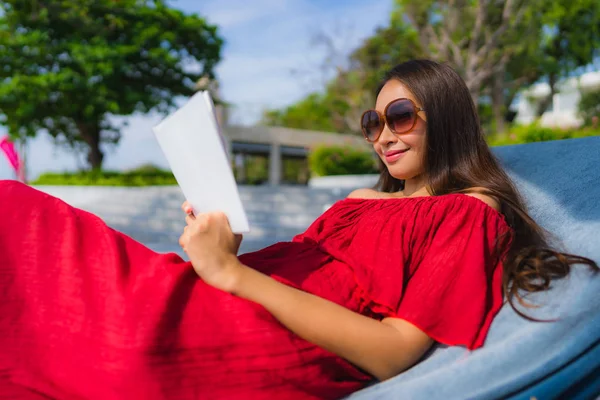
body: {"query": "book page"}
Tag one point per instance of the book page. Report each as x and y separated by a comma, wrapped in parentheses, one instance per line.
(211, 106)
(191, 141)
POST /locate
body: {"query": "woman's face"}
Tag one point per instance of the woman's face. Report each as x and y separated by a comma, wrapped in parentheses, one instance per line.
(410, 163)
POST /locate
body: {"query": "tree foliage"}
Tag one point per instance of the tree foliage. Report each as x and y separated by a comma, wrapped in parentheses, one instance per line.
(339, 107)
(68, 65)
(498, 47)
(313, 112)
(341, 160)
(589, 108)
(571, 33)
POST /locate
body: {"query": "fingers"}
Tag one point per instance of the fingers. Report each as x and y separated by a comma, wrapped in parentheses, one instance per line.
(187, 207)
(189, 219)
(203, 221)
(237, 242)
(210, 223)
(220, 215)
(213, 216)
(218, 218)
(199, 223)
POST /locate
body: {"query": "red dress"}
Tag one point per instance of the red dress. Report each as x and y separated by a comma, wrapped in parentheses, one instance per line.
(87, 312)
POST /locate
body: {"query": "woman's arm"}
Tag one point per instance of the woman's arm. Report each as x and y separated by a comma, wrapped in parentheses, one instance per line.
(382, 348)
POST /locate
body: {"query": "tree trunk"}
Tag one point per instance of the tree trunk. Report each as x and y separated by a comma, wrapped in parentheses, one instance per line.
(475, 92)
(90, 133)
(547, 101)
(509, 98)
(498, 99)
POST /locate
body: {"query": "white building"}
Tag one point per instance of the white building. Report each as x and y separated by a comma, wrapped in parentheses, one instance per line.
(563, 111)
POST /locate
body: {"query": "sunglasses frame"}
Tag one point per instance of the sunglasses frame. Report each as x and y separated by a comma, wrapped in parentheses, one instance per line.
(383, 120)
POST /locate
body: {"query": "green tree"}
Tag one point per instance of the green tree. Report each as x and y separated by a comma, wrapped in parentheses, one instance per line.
(520, 70)
(68, 65)
(312, 113)
(497, 47)
(388, 47)
(570, 41)
(469, 34)
(477, 37)
(352, 90)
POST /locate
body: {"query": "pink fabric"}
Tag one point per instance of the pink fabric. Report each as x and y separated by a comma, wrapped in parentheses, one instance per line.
(11, 153)
(87, 312)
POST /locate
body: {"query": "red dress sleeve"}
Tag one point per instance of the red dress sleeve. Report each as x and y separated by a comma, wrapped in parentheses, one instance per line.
(433, 261)
(453, 281)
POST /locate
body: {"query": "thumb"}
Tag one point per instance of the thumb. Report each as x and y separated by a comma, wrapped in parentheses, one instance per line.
(238, 241)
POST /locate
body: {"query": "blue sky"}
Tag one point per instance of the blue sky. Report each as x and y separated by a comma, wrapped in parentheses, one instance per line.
(270, 59)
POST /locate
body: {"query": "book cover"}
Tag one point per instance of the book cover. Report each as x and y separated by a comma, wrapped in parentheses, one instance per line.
(196, 151)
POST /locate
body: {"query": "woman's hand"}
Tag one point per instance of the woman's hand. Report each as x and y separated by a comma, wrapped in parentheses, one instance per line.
(212, 248)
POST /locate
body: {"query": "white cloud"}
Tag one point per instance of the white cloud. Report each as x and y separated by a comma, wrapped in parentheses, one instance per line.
(233, 13)
(257, 71)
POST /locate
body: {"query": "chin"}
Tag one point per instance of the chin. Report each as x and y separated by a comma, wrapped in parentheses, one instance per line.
(400, 174)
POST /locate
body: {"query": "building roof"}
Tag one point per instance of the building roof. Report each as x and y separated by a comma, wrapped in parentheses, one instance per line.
(291, 137)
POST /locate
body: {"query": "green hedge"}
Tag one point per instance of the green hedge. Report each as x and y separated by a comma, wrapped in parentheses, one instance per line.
(520, 134)
(146, 175)
(589, 107)
(341, 160)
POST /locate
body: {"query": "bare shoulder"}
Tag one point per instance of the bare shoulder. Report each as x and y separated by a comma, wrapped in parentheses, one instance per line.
(363, 194)
(489, 200)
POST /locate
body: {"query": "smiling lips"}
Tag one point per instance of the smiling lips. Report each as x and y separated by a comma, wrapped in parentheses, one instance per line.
(393, 155)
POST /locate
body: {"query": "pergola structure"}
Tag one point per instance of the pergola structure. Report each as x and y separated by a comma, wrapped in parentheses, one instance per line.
(277, 143)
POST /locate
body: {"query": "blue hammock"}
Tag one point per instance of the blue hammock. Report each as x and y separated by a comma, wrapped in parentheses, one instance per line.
(521, 359)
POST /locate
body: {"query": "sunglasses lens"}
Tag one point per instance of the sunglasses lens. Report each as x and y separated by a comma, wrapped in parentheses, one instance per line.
(401, 116)
(371, 125)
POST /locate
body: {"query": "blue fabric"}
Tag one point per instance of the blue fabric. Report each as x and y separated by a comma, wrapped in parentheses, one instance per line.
(562, 382)
(560, 182)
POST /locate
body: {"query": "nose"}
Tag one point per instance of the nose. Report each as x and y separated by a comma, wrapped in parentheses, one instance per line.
(387, 137)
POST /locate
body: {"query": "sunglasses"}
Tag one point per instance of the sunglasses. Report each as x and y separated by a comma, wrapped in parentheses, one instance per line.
(400, 115)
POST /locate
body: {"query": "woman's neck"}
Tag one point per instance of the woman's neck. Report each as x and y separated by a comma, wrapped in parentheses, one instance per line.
(415, 187)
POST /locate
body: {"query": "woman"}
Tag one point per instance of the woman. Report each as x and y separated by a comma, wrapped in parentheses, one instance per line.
(86, 312)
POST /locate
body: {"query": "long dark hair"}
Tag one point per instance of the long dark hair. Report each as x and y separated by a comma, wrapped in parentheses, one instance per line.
(458, 159)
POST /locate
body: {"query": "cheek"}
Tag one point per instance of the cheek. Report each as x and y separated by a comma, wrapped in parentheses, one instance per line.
(418, 145)
(377, 148)
(416, 141)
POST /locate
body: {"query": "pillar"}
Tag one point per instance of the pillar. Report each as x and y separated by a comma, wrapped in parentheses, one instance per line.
(275, 164)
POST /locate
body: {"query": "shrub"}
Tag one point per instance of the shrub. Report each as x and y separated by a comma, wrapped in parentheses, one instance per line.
(143, 176)
(536, 133)
(589, 107)
(257, 170)
(341, 160)
(520, 134)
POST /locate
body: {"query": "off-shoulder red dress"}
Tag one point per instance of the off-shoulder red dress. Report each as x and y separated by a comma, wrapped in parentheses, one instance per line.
(87, 312)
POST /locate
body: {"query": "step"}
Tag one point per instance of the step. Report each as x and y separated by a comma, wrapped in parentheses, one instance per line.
(246, 247)
(152, 215)
(172, 196)
(259, 211)
(148, 234)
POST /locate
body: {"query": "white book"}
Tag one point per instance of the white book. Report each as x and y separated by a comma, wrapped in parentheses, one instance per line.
(192, 142)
